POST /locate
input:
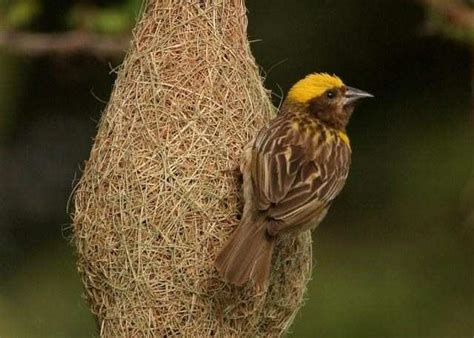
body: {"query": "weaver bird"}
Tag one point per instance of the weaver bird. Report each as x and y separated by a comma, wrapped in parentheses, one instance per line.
(292, 171)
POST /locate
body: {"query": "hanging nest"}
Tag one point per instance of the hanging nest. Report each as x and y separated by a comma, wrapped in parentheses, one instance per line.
(160, 194)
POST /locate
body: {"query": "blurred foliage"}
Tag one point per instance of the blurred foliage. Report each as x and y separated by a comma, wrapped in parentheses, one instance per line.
(50, 307)
(453, 19)
(16, 14)
(110, 20)
(115, 18)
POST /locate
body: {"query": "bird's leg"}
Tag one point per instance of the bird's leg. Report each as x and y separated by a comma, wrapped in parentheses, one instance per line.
(234, 171)
(274, 227)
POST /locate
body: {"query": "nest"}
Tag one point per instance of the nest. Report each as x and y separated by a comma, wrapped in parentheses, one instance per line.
(160, 194)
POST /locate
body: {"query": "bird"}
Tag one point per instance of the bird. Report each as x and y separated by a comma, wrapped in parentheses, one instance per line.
(292, 171)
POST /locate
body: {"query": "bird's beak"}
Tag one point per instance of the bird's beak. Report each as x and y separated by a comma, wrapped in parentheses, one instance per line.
(353, 94)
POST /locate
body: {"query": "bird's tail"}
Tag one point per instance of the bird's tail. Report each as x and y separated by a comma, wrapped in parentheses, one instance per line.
(247, 254)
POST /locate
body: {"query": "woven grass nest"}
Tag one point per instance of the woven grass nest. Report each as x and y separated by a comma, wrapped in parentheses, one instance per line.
(159, 196)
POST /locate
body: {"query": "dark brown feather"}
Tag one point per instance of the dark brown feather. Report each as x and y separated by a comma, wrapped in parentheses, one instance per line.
(247, 254)
(296, 175)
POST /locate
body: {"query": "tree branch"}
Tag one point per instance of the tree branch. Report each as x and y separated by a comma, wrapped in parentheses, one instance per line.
(456, 12)
(37, 44)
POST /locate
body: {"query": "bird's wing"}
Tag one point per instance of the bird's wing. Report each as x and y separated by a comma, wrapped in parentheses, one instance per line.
(275, 162)
(295, 178)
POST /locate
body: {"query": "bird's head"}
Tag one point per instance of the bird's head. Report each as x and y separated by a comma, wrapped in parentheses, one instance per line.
(326, 97)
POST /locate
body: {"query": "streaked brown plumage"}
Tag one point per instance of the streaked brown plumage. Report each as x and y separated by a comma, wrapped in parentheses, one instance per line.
(292, 171)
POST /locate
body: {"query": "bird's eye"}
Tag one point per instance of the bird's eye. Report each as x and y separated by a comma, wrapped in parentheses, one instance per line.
(330, 94)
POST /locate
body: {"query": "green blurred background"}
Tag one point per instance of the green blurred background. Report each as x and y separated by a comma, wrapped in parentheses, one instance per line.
(394, 257)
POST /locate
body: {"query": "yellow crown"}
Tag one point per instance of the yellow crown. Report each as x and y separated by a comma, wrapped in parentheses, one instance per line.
(313, 85)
